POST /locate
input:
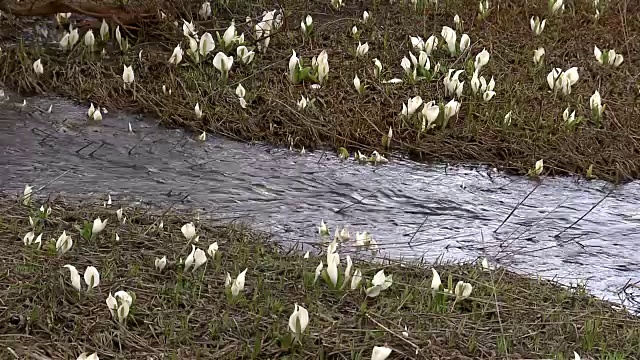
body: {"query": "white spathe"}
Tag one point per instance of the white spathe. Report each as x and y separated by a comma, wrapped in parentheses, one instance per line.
(64, 243)
(91, 277)
(75, 277)
(188, 229)
(127, 74)
(298, 320)
(160, 263)
(98, 224)
(238, 284)
(37, 67)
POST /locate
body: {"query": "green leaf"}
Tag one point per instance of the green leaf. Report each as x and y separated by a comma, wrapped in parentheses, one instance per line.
(590, 172)
(326, 278)
(86, 230)
(257, 345)
(286, 341)
(343, 153)
(303, 73)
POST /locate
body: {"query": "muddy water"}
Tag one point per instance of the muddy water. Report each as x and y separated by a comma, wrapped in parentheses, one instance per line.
(413, 210)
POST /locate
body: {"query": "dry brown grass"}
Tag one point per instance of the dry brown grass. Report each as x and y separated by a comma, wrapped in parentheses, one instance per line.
(185, 315)
(344, 118)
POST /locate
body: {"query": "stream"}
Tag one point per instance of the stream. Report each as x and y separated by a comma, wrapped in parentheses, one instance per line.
(413, 210)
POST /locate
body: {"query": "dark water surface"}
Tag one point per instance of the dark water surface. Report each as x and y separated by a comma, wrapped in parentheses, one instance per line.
(287, 193)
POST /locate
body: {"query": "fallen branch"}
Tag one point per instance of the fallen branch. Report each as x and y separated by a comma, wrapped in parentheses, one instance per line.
(121, 15)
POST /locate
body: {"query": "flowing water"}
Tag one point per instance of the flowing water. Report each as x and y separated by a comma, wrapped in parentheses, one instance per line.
(413, 210)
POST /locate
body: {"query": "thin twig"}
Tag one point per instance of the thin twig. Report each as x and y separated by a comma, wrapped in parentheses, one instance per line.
(395, 334)
(585, 214)
(516, 207)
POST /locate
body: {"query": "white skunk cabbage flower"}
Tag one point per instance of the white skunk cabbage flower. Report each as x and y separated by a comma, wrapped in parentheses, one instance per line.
(463, 290)
(536, 26)
(26, 194)
(380, 353)
(206, 44)
(298, 320)
(91, 277)
(197, 258)
(176, 56)
(362, 49)
(124, 300)
(160, 263)
(85, 356)
(104, 30)
(127, 75)
(89, 39)
(379, 283)
(318, 271)
(223, 63)
(64, 243)
(322, 229)
(244, 55)
(238, 284)
(188, 230)
(37, 67)
(205, 10)
(482, 59)
(98, 224)
(213, 248)
(435, 281)
(538, 55)
(75, 277)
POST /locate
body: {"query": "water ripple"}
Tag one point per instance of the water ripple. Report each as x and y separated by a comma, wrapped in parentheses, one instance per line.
(413, 210)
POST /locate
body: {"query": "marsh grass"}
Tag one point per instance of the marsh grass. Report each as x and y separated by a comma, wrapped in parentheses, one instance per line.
(178, 315)
(343, 118)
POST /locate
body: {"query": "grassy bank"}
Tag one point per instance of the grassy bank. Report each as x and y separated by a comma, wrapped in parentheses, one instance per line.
(179, 314)
(340, 116)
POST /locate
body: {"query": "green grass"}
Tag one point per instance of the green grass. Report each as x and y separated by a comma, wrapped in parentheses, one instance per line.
(178, 315)
(342, 117)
